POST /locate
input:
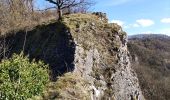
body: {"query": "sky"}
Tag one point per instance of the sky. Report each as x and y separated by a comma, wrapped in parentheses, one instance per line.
(135, 16)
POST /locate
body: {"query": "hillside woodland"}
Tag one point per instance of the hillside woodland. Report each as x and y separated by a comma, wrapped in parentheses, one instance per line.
(151, 60)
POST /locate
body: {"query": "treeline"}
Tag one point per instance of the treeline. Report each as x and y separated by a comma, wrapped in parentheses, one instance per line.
(17, 14)
(151, 61)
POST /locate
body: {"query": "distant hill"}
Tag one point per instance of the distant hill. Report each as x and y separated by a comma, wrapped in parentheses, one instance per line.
(150, 57)
(149, 36)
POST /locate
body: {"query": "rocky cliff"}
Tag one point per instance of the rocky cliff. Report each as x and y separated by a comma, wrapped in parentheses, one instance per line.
(92, 53)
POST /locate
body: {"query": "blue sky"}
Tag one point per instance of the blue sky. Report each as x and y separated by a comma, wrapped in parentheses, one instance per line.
(135, 16)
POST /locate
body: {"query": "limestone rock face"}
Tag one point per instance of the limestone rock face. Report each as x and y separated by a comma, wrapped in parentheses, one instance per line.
(117, 81)
(102, 58)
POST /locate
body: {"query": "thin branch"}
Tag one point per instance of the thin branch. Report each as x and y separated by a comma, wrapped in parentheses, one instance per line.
(51, 1)
(46, 9)
(73, 4)
(25, 39)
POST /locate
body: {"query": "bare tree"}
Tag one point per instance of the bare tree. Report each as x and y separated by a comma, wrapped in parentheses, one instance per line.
(67, 4)
(29, 4)
(32, 5)
(80, 9)
(15, 14)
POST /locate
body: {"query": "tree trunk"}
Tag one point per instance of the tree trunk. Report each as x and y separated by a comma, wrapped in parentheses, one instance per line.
(59, 10)
(59, 14)
(32, 6)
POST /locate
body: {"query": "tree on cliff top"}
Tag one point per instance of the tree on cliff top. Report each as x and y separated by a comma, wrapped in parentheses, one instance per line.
(67, 4)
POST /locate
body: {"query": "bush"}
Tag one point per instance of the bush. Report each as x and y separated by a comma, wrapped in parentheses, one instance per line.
(21, 79)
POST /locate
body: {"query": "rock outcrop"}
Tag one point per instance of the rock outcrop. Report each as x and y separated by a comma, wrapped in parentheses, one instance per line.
(101, 58)
(92, 51)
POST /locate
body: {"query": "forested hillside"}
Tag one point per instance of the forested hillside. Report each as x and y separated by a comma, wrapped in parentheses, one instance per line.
(150, 57)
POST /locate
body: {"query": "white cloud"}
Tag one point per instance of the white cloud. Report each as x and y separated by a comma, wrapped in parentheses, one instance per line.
(165, 20)
(126, 26)
(135, 25)
(145, 22)
(147, 32)
(140, 23)
(119, 22)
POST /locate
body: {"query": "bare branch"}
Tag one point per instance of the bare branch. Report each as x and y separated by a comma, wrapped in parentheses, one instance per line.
(52, 1)
(67, 4)
(47, 9)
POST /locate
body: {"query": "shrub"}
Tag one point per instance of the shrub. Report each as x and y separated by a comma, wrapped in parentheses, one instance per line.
(21, 79)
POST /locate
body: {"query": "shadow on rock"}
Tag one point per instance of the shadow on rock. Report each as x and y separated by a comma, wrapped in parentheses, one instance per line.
(50, 43)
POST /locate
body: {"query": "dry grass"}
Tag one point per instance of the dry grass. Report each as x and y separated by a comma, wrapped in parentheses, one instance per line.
(16, 15)
(68, 87)
(88, 28)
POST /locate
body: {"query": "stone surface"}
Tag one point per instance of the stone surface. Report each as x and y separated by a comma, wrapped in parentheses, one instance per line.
(104, 62)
